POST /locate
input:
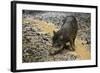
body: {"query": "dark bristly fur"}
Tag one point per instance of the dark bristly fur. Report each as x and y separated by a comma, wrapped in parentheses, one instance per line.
(67, 33)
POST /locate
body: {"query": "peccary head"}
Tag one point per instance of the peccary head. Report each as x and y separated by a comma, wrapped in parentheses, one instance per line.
(57, 40)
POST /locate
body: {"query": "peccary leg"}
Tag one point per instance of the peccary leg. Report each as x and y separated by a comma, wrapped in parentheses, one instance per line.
(72, 45)
(74, 41)
(64, 46)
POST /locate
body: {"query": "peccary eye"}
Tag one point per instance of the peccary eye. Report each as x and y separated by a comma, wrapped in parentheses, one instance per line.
(61, 37)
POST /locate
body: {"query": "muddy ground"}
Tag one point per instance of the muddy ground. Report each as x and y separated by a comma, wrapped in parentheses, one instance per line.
(37, 33)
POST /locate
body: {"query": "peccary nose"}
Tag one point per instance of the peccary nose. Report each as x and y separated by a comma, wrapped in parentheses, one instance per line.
(53, 45)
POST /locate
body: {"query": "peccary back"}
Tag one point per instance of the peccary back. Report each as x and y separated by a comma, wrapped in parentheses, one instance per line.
(67, 33)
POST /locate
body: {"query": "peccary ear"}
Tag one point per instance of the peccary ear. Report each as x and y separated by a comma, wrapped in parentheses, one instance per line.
(54, 32)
